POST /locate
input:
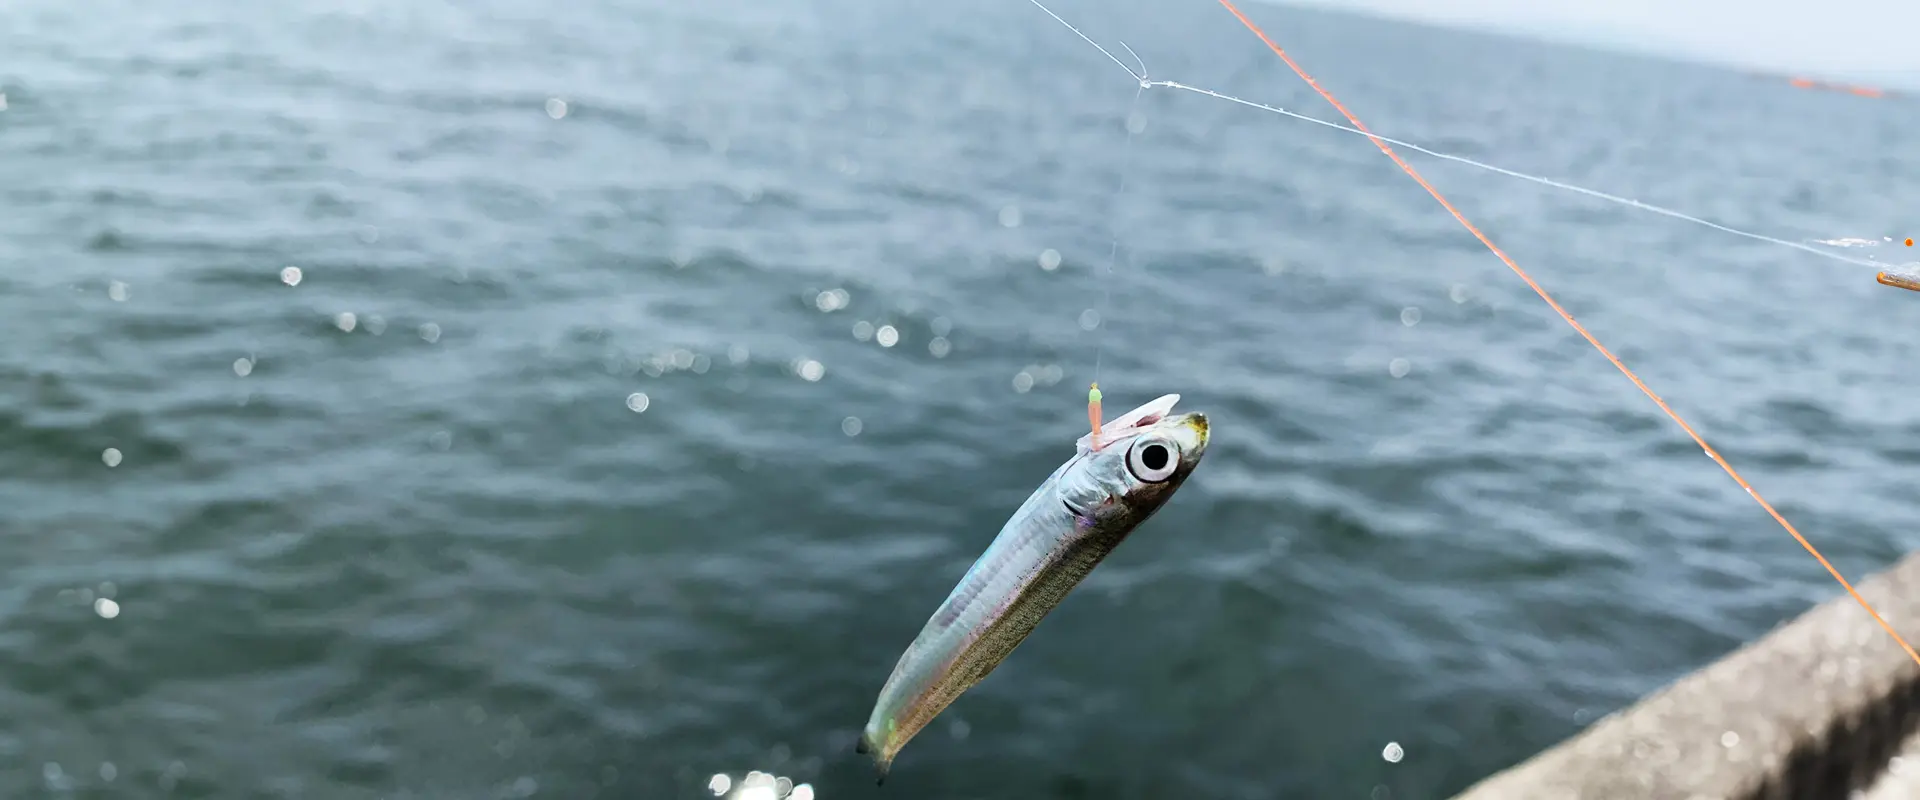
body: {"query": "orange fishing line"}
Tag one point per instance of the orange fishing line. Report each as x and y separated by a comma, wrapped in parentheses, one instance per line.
(1475, 230)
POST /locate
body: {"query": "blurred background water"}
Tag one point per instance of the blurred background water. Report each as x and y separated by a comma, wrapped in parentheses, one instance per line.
(511, 399)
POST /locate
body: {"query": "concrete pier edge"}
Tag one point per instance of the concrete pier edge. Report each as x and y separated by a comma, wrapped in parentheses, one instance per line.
(1824, 706)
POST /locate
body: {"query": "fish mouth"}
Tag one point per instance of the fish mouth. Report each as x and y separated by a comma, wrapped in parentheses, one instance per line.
(1194, 425)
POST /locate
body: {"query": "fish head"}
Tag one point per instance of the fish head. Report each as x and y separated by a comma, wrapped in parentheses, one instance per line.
(1144, 456)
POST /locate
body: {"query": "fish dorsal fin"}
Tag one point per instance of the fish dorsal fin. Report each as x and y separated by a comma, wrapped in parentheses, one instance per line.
(1123, 425)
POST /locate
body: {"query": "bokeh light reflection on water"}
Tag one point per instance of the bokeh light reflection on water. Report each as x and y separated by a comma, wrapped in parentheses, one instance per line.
(757, 785)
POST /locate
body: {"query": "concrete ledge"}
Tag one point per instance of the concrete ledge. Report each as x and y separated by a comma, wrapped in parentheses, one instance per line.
(1818, 708)
(1901, 780)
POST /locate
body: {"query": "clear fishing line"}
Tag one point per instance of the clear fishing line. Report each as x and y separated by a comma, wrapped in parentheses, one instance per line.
(1385, 144)
(1145, 83)
(1113, 221)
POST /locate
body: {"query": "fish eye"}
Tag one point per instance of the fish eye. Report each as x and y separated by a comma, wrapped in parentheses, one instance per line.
(1151, 460)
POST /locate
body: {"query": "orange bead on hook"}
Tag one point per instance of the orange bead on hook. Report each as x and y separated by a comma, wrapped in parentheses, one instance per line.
(1899, 280)
(1093, 413)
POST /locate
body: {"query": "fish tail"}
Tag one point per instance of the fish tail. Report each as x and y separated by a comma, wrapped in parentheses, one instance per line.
(866, 746)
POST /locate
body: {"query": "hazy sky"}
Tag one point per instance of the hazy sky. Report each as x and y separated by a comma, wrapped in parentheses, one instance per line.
(1841, 37)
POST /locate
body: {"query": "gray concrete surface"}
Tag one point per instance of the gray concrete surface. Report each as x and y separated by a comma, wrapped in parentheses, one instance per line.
(1901, 780)
(1818, 708)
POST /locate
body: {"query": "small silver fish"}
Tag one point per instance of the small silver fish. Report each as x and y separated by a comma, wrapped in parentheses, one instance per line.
(1064, 529)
